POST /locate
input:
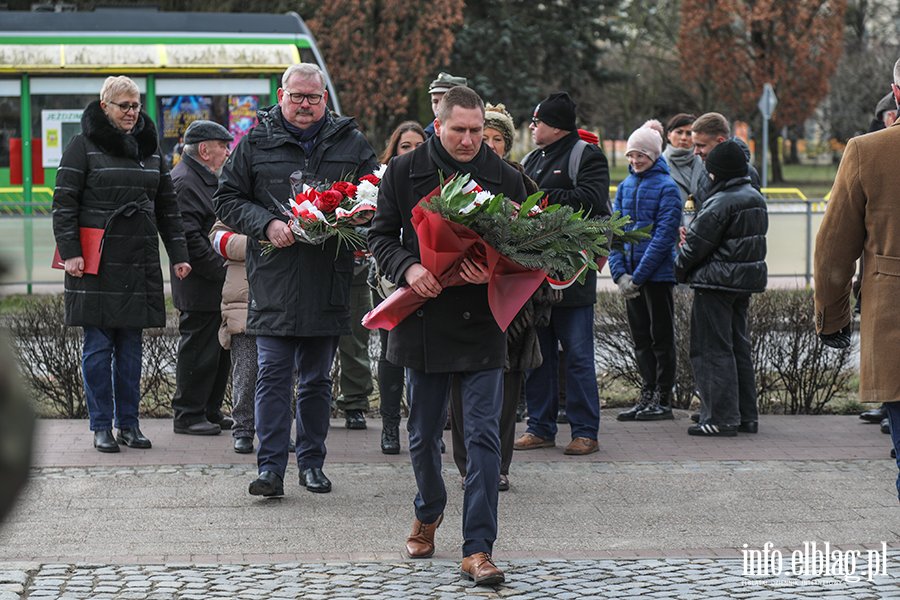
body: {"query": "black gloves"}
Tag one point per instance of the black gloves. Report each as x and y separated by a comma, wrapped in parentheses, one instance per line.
(838, 339)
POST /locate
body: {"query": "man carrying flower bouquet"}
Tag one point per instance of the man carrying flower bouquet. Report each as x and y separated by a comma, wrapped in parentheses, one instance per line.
(453, 332)
(299, 301)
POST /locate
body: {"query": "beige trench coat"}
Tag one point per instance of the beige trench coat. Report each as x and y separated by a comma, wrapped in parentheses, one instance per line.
(863, 218)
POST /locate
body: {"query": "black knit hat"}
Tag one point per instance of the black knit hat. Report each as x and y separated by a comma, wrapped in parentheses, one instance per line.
(557, 110)
(727, 161)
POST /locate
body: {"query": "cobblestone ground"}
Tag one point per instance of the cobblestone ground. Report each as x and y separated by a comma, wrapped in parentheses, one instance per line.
(682, 467)
(526, 580)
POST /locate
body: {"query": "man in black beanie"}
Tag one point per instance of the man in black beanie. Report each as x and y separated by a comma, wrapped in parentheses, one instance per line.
(582, 182)
(724, 273)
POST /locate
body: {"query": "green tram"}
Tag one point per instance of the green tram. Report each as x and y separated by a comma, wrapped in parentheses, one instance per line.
(213, 66)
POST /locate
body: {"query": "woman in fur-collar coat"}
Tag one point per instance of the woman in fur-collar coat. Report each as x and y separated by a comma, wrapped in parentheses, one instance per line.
(112, 177)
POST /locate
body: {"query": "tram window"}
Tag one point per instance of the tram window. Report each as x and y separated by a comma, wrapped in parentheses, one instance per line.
(10, 126)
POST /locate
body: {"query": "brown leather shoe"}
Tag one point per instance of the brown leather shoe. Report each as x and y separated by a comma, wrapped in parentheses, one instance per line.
(530, 441)
(420, 543)
(480, 567)
(582, 445)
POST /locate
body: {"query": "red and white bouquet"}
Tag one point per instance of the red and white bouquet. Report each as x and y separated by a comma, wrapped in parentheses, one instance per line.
(318, 211)
(520, 245)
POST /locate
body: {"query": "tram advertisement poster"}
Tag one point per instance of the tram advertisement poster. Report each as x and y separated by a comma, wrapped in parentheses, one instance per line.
(241, 115)
(181, 111)
(58, 127)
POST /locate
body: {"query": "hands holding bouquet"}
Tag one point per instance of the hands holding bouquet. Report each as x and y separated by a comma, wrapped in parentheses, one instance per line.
(320, 211)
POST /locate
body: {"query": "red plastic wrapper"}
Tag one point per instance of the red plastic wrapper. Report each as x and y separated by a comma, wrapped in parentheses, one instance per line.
(443, 245)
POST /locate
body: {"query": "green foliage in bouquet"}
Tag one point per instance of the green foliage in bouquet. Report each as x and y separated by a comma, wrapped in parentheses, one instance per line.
(551, 239)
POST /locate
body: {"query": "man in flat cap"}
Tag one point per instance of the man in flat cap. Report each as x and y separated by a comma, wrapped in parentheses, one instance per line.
(885, 113)
(437, 89)
(201, 373)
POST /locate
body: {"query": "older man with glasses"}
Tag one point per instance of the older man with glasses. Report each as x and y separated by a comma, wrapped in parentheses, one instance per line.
(299, 298)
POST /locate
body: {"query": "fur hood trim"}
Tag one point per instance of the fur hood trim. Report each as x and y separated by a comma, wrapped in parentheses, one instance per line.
(140, 145)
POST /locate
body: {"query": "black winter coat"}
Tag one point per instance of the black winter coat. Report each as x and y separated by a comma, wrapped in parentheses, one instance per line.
(119, 182)
(455, 331)
(201, 290)
(725, 247)
(301, 290)
(549, 168)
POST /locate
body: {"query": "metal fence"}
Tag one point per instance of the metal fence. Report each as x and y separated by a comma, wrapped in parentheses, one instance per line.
(27, 244)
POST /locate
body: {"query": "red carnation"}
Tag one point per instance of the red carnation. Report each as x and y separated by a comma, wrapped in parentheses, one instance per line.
(371, 179)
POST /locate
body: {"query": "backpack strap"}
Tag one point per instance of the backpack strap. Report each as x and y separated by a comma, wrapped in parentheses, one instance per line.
(528, 157)
(575, 160)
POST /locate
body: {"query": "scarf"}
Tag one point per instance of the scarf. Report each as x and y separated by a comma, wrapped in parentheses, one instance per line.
(449, 165)
(306, 137)
(684, 168)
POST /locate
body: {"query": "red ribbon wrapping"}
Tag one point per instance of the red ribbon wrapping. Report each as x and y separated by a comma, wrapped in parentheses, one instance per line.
(443, 245)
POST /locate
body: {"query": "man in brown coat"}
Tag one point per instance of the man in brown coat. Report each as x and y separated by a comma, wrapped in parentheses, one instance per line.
(863, 217)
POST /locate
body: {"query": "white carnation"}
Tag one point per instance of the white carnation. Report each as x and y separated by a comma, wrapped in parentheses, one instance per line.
(366, 193)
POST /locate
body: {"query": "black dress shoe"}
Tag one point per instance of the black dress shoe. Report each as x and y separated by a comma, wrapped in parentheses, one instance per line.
(521, 413)
(201, 428)
(224, 422)
(390, 440)
(243, 445)
(314, 480)
(355, 419)
(268, 484)
(133, 438)
(292, 446)
(105, 442)
(886, 426)
(893, 453)
(749, 427)
(875, 415)
(561, 416)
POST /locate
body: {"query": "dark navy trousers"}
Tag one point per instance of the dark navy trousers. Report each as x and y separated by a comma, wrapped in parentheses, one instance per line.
(482, 397)
(277, 358)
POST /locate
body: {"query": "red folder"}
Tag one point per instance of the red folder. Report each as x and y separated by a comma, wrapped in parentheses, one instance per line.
(91, 248)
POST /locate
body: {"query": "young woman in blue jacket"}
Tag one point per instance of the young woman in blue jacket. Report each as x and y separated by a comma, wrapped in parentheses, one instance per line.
(645, 271)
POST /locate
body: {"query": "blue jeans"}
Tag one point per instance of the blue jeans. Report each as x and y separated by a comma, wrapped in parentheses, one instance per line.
(278, 357)
(111, 366)
(893, 411)
(574, 328)
(482, 396)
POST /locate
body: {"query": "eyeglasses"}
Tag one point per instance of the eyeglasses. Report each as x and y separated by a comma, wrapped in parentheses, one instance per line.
(536, 121)
(313, 99)
(136, 107)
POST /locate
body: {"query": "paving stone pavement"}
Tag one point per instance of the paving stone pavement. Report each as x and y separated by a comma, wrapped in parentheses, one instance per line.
(656, 514)
(686, 579)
